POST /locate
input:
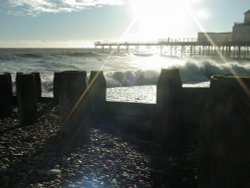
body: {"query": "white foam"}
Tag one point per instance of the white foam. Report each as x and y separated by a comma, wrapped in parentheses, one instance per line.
(120, 69)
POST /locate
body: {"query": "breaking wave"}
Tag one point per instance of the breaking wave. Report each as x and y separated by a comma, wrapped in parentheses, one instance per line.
(119, 70)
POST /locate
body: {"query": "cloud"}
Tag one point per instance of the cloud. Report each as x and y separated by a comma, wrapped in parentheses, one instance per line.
(35, 7)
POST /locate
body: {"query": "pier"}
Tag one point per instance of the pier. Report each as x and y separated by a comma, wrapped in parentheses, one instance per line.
(183, 48)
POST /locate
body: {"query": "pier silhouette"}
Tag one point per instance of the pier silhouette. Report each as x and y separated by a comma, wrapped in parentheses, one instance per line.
(184, 47)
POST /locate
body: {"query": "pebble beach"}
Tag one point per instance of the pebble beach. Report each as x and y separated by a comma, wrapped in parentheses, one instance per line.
(30, 156)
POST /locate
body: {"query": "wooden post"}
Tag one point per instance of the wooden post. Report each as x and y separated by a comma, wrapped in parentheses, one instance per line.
(98, 84)
(234, 51)
(26, 98)
(75, 104)
(5, 95)
(17, 80)
(239, 54)
(73, 84)
(168, 128)
(244, 52)
(191, 50)
(224, 159)
(127, 47)
(57, 86)
(38, 85)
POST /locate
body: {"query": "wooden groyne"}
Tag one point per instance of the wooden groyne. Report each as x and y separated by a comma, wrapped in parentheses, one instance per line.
(217, 117)
(183, 48)
(5, 95)
(72, 87)
(224, 154)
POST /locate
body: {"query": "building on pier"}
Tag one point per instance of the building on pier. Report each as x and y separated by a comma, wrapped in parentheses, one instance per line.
(240, 33)
(216, 37)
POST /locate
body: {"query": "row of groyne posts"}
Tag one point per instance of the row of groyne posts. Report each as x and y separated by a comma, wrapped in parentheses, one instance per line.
(28, 94)
(219, 117)
(184, 48)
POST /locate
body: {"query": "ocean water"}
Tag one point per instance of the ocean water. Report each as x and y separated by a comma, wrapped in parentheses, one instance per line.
(120, 70)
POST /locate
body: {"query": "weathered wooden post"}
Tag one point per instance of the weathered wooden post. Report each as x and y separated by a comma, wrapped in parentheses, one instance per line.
(5, 95)
(57, 86)
(73, 84)
(224, 158)
(26, 98)
(10, 86)
(17, 80)
(75, 109)
(38, 85)
(168, 128)
(98, 84)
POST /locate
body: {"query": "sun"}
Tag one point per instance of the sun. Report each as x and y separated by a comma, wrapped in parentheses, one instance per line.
(158, 19)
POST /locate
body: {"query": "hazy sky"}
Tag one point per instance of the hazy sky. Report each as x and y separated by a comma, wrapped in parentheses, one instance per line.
(77, 23)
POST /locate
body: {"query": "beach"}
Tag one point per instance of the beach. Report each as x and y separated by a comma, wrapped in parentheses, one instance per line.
(116, 156)
(124, 94)
(32, 157)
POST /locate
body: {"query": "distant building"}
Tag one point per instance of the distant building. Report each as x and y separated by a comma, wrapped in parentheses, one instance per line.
(240, 33)
(215, 37)
(247, 17)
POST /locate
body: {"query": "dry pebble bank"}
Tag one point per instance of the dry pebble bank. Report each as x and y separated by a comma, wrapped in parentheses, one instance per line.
(140, 94)
(31, 157)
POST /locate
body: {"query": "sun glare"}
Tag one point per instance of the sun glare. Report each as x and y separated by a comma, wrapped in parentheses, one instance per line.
(160, 18)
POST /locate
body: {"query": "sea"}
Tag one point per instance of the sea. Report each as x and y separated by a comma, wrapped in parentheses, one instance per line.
(130, 76)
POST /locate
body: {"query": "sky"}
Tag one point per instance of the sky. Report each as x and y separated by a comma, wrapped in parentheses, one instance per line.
(80, 23)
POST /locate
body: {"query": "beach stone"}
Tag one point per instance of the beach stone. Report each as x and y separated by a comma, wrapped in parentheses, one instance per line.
(31, 186)
(67, 182)
(72, 174)
(109, 163)
(72, 185)
(114, 181)
(79, 183)
(125, 174)
(142, 182)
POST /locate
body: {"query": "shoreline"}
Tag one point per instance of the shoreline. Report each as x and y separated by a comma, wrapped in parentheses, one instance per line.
(93, 49)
